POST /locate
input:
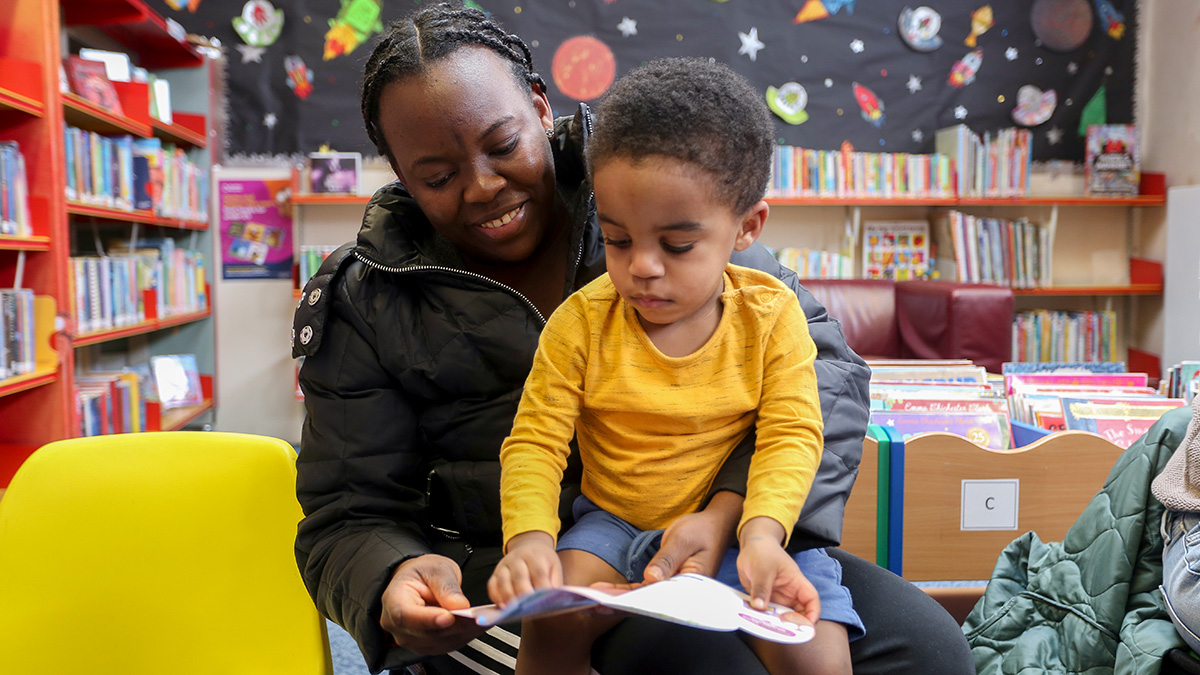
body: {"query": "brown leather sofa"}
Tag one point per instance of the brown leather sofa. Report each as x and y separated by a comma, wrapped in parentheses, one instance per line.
(921, 319)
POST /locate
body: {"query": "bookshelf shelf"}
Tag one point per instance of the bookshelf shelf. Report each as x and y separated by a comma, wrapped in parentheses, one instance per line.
(34, 243)
(1065, 291)
(309, 198)
(20, 86)
(138, 28)
(78, 112)
(96, 337)
(42, 376)
(185, 129)
(178, 418)
(953, 202)
(145, 217)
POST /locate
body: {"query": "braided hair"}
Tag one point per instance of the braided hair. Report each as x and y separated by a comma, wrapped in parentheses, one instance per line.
(409, 45)
(694, 110)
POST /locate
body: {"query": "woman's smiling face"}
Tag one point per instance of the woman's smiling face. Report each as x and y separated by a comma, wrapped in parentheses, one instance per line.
(468, 142)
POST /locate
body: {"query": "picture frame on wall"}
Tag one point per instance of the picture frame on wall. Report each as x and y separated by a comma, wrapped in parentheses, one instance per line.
(334, 172)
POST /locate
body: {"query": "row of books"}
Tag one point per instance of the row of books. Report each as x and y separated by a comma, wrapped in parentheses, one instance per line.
(810, 263)
(800, 172)
(115, 401)
(996, 164)
(311, 258)
(1014, 253)
(17, 349)
(109, 291)
(1054, 336)
(958, 397)
(127, 173)
(1182, 380)
(1095, 397)
(15, 219)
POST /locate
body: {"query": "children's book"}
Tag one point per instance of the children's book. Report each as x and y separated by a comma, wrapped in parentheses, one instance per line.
(1014, 367)
(687, 599)
(896, 250)
(89, 80)
(177, 380)
(1120, 420)
(334, 172)
(1111, 160)
(988, 430)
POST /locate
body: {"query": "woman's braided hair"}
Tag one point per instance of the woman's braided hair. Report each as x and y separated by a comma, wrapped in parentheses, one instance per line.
(409, 45)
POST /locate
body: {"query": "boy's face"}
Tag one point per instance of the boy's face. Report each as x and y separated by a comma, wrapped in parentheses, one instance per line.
(667, 237)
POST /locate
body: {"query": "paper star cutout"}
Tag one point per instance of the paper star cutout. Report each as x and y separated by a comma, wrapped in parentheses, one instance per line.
(1011, 53)
(627, 26)
(1054, 135)
(917, 136)
(750, 44)
(828, 83)
(914, 84)
(251, 54)
(857, 46)
(1108, 70)
(1072, 68)
(960, 113)
(269, 120)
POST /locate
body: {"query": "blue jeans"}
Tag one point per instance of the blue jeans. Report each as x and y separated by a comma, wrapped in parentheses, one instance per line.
(1181, 573)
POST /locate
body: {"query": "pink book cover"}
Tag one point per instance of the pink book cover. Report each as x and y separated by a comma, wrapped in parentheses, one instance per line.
(945, 405)
(1096, 379)
(1119, 420)
(987, 430)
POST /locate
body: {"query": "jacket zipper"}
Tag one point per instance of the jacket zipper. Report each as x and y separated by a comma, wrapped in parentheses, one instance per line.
(438, 268)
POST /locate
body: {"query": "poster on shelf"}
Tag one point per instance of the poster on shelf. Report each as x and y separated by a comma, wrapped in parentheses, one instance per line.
(256, 229)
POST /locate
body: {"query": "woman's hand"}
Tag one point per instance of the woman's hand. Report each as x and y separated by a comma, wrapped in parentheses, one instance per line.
(531, 562)
(696, 542)
(769, 574)
(416, 606)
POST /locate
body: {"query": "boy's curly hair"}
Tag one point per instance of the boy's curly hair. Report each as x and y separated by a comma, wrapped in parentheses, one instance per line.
(694, 110)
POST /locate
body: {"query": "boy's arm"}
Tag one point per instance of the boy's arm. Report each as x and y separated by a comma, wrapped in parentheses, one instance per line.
(788, 428)
(535, 453)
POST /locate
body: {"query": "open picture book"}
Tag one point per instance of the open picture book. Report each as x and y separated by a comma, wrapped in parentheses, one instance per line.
(688, 599)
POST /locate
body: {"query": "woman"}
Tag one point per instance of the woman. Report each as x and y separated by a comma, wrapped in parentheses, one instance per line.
(418, 340)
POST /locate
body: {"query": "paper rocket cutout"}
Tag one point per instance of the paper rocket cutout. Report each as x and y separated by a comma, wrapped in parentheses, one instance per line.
(815, 10)
(356, 21)
(1095, 112)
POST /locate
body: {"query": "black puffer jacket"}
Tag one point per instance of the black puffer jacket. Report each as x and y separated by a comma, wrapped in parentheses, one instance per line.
(412, 376)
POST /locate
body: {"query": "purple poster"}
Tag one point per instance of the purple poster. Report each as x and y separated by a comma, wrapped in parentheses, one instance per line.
(256, 230)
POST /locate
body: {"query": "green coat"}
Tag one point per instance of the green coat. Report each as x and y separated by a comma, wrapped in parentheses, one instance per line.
(1092, 603)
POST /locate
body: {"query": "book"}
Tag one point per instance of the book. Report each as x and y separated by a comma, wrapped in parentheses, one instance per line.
(687, 599)
(1111, 165)
(334, 172)
(177, 380)
(986, 429)
(1120, 420)
(89, 80)
(896, 250)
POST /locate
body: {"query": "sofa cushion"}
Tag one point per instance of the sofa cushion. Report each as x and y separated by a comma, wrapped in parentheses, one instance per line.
(945, 319)
(866, 309)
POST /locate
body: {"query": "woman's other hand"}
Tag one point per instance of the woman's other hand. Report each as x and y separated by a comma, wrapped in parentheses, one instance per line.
(416, 606)
(697, 541)
(530, 562)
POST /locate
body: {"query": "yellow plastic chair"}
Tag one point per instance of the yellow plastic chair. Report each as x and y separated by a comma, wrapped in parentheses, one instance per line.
(156, 553)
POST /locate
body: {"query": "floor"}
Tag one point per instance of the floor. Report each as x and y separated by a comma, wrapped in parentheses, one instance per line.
(347, 660)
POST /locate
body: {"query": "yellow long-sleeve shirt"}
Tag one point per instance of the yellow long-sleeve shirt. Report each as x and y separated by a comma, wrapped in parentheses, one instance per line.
(654, 430)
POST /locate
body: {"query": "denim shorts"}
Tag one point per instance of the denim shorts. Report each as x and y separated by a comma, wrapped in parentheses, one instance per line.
(1181, 573)
(628, 550)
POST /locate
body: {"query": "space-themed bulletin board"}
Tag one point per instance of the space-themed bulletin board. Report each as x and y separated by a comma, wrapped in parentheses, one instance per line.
(883, 75)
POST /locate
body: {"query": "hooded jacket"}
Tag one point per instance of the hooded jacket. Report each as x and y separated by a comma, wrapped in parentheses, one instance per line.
(412, 374)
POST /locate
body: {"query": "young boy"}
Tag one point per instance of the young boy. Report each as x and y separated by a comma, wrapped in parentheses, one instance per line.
(660, 367)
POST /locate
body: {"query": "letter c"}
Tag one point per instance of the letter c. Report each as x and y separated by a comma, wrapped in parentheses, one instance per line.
(987, 503)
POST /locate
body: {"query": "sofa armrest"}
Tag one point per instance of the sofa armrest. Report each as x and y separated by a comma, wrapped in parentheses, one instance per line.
(951, 320)
(866, 308)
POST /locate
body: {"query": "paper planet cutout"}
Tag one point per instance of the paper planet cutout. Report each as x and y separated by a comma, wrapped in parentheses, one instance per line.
(919, 28)
(583, 67)
(788, 102)
(1061, 25)
(1034, 106)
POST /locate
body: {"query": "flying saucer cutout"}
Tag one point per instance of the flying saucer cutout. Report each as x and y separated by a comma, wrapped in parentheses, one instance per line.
(919, 28)
(788, 102)
(1034, 106)
(1061, 25)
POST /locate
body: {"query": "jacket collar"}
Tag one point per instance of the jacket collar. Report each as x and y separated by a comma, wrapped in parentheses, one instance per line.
(396, 233)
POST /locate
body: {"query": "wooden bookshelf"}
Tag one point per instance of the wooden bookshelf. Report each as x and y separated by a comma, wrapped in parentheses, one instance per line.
(310, 198)
(84, 114)
(152, 40)
(185, 129)
(956, 202)
(41, 376)
(20, 86)
(34, 243)
(142, 327)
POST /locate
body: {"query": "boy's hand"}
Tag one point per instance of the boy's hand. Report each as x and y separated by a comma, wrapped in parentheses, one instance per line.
(530, 563)
(769, 573)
